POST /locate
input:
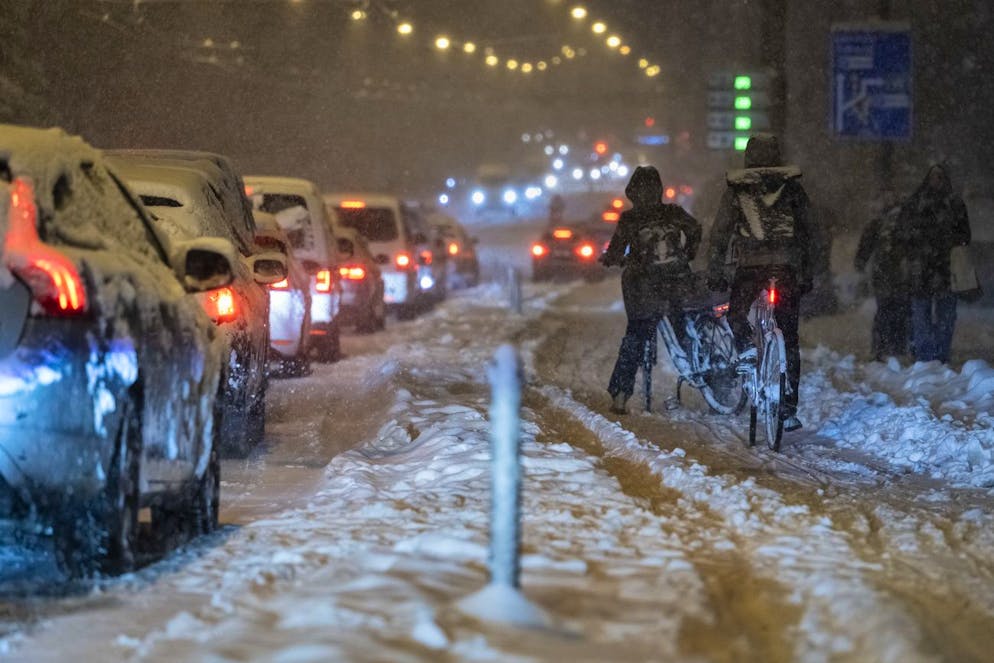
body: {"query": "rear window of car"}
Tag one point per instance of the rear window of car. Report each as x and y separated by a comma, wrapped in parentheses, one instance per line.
(296, 226)
(160, 201)
(275, 203)
(376, 224)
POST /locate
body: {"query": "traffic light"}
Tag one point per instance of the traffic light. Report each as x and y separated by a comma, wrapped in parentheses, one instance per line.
(738, 104)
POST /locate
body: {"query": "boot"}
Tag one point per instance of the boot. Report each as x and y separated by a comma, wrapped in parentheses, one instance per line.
(618, 404)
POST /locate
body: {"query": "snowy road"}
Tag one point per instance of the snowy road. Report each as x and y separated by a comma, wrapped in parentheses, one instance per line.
(646, 537)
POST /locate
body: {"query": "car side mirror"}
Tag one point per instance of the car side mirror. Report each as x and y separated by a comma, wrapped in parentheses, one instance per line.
(269, 267)
(204, 263)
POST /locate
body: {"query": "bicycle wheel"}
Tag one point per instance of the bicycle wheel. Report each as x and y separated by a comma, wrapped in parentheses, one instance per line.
(723, 387)
(772, 384)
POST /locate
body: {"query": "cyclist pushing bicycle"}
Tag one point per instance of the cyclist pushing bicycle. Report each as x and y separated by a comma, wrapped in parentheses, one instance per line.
(763, 216)
(655, 242)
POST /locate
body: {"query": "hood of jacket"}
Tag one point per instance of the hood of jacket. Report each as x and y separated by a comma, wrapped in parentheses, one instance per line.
(763, 151)
(645, 187)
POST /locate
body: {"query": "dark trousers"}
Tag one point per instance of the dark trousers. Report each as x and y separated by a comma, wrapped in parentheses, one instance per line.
(632, 348)
(748, 284)
(890, 326)
(932, 322)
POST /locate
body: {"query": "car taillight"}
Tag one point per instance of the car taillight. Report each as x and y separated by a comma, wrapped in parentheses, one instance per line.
(426, 257)
(323, 278)
(610, 216)
(773, 296)
(352, 273)
(403, 260)
(585, 251)
(52, 278)
(220, 305)
(562, 233)
(453, 249)
(280, 285)
(538, 250)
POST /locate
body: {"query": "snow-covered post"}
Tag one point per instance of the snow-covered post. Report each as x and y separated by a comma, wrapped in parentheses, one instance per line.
(505, 440)
(501, 600)
(514, 289)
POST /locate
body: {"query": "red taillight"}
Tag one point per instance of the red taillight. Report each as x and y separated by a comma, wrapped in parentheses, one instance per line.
(585, 251)
(353, 204)
(426, 257)
(323, 278)
(670, 193)
(562, 233)
(280, 285)
(352, 273)
(611, 216)
(52, 278)
(773, 296)
(617, 203)
(538, 250)
(453, 249)
(403, 260)
(221, 305)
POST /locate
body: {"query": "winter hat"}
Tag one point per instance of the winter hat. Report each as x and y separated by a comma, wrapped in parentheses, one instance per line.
(645, 187)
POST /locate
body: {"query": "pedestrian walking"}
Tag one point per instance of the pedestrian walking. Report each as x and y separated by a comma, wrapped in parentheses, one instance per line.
(880, 246)
(934, 222)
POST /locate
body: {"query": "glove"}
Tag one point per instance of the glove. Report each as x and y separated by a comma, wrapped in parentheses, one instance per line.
(717, 283)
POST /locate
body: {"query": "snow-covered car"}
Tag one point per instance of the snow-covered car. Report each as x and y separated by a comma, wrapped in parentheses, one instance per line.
(570, 251)
(463, 265)
(289, 300)
(184, 203)
(362, 282)
(395, 245)
(432, 259)
(298, 208)
(108, 368)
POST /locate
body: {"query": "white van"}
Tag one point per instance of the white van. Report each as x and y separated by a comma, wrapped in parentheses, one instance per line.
(401, 251)
(299, 210)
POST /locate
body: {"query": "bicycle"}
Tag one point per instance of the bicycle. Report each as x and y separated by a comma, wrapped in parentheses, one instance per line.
(766, 384)
(708, 364)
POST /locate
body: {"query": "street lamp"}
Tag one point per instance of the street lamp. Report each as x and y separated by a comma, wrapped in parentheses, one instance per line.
(405, 28)
(442, 43)
(614, 41)
(469, 47)
(492, 60)
(512, 64)
(599, 28)
(579, 13)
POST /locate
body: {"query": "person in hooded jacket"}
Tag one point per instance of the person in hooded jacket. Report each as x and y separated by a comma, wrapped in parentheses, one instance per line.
(882, 244)
(764, 216)
(656, 243)
(934, 220)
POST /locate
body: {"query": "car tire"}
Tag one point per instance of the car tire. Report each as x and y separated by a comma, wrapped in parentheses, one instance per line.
(206, 499)
(406, 311)
(101, 535)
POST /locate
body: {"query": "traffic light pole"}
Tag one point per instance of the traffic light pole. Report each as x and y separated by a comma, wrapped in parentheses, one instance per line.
(774, 57)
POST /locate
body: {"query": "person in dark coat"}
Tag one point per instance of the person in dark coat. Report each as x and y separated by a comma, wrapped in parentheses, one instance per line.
(655, 242)
(764, 216)
(881, 243)
(934, 220)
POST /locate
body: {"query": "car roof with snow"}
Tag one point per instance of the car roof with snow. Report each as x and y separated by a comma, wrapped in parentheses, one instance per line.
(275, 184)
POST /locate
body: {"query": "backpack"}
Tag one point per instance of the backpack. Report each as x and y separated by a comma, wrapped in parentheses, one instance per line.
(660, 242)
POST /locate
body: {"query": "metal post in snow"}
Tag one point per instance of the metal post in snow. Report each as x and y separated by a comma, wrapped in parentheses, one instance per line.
(505, 439)
(514, 289)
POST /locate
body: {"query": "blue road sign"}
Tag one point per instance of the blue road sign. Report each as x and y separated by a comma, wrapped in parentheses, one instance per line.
(871, 82)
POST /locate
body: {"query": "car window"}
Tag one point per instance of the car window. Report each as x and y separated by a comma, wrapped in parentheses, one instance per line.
(93, 209)
(292, 214)
(377, 224)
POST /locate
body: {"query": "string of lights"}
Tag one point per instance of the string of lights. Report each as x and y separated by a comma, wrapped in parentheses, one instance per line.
(612, 40)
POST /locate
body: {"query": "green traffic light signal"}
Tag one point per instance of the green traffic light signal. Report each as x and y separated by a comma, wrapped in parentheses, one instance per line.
(743, 123)
(743, 82)
(740, 143)
(743, 103)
